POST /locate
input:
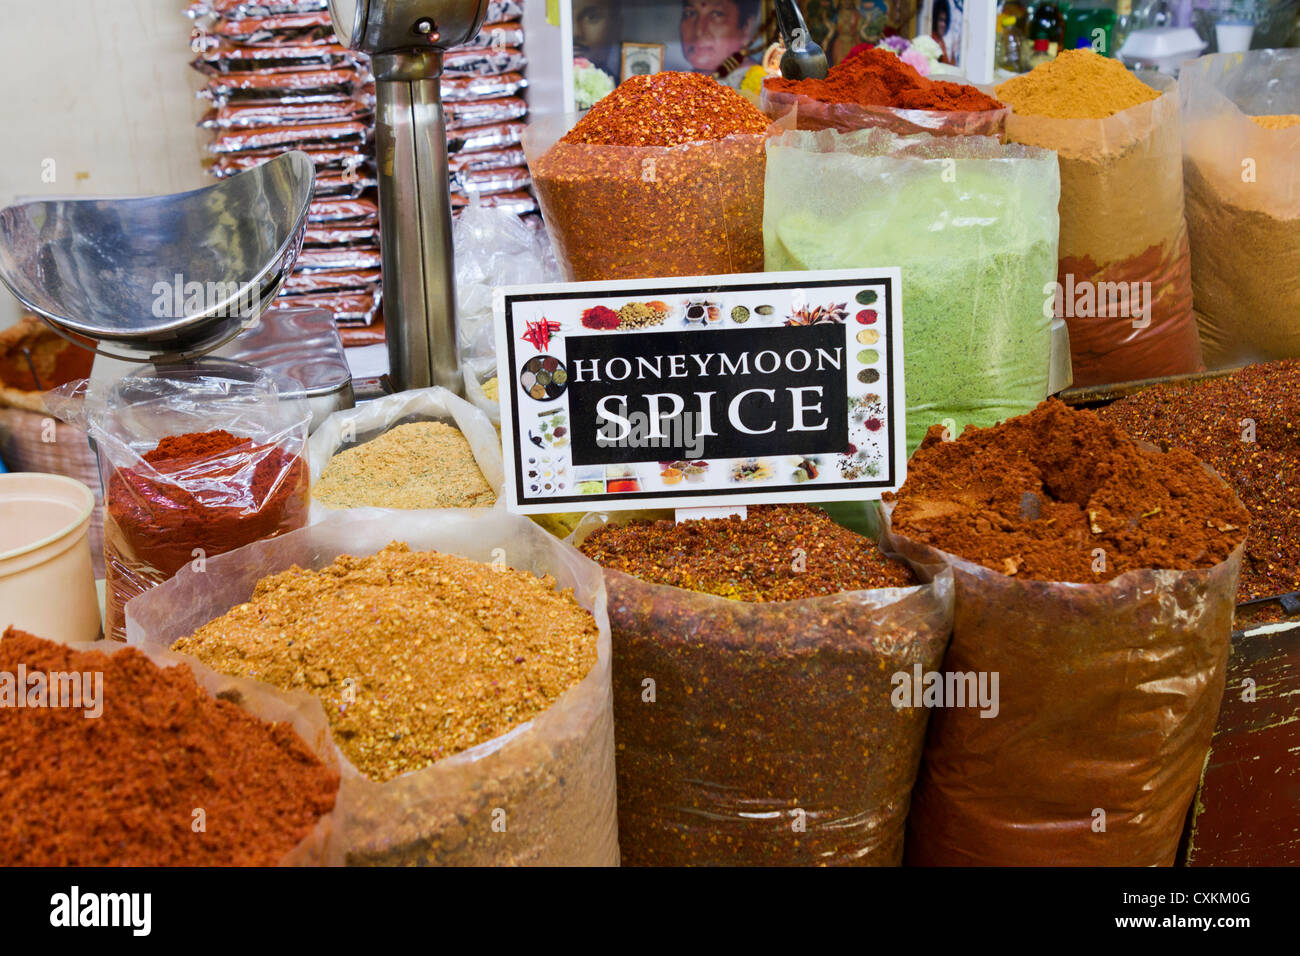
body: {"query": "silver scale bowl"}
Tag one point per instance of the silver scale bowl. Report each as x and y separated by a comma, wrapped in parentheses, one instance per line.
(108, 269)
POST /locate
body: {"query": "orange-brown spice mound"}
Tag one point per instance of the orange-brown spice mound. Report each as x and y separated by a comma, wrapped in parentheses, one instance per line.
(667, 109)
(1060, 495)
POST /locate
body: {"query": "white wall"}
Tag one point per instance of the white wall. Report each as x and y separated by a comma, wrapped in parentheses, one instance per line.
(103, 88)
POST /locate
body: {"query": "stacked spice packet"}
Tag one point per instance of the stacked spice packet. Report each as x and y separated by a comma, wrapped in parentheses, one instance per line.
(278, 79)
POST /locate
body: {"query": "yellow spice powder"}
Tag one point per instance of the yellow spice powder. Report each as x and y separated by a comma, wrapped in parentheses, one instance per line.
(415, 655)
(418, 465)
(1280, 121)
(492, 389)
(1078, 84)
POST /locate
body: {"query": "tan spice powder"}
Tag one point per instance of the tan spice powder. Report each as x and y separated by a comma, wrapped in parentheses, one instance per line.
(1278, 121)
(419, 465)
(416, 656)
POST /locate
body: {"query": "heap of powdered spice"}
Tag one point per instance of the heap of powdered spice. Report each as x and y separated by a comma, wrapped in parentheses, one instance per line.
(775, 553)
(121, 788)
(1247, 426)
(194, 496)
(1078, 84)
(876, 77)
(667, 109)
(416, 655)
(1038, 496)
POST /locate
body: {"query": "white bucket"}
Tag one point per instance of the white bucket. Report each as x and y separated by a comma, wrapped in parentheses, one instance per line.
(1233, 37)
(47, 587)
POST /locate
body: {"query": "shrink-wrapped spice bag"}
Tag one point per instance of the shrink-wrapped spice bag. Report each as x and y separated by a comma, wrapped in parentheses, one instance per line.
(663, 177)
(541, 792)
(764, 732)
(875, 89)
(1124, 283)
(1095, 579)
(972, 223)
(195, 462)
(1241, 140)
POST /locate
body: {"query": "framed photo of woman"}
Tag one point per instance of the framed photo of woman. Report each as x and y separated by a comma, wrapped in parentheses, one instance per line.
(641, 58)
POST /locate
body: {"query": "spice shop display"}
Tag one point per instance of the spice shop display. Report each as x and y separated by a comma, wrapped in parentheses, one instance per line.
(464, 669)
(973, 226)
(874, 88)
(163, 773)
(1097, 579)
(1247, 426)
(195, 462)
(1241, 143)
(1124, 285)
(754, 667)
(424, 448)
(663, 177)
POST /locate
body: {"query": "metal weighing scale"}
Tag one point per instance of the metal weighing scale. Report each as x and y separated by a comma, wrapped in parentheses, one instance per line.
(167, 280)
(406, 40)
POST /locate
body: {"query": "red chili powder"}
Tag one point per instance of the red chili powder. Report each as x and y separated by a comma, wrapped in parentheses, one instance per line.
(1037, 496)
(121, 789)
(207, 491)
(875, 77)
(667, 109)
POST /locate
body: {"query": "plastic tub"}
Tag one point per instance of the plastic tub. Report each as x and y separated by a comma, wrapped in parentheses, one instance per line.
(46, 583)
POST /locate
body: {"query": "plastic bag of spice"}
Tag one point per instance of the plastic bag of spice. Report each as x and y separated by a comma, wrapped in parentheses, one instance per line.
(1107, 693)
(1124, 285)
(195, 462)
(764, 733)
(636, 212)
(1241, 137)
(688, 204)
(972, 223)
(355, 427)
(541, 794)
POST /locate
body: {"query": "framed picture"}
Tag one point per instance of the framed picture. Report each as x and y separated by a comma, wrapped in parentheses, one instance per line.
(641, 58)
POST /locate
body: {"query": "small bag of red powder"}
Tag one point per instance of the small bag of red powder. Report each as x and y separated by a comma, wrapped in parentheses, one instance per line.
(195, 462)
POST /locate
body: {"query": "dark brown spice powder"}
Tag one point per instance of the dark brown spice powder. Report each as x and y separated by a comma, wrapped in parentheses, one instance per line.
(1040, 495)
(1213, 420)
(768, 736)
(777, 553)
(121, 789)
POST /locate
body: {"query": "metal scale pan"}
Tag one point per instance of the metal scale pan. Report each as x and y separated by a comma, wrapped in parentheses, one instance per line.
(110, 269)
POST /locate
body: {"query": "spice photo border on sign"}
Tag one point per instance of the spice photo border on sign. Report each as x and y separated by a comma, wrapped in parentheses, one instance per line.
(629, 393)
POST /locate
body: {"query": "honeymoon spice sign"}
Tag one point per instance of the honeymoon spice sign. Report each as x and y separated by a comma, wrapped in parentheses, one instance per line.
(721, 390)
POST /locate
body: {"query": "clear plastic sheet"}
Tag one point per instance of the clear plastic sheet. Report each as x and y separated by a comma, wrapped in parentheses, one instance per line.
(1122, 222)
(771, 738)
(493, 248)
(356, 426)
(1108, 695)
(1243, 204)
(157, 522)
(973, 225)
(635, 212)
(552, 778)
(811, 114)
(321, 847)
